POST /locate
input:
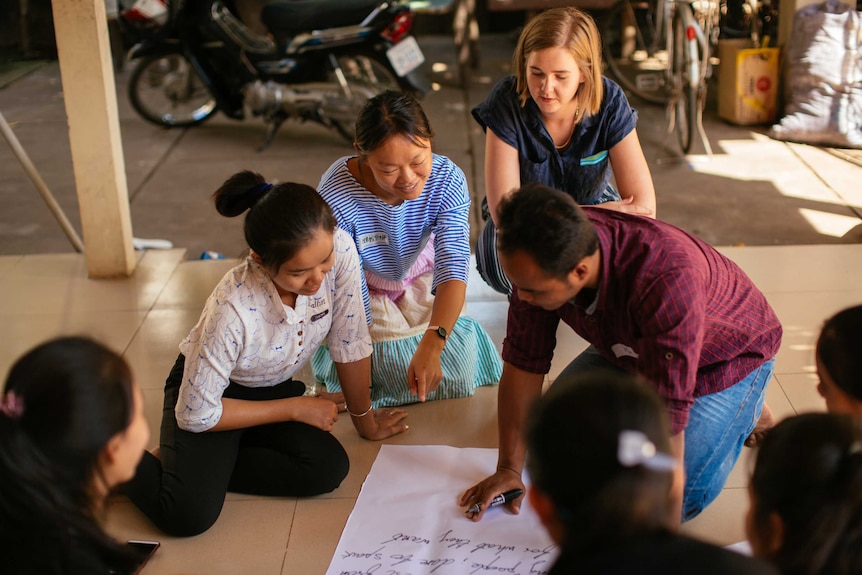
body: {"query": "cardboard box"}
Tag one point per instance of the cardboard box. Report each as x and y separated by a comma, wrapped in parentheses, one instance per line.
(747, 82)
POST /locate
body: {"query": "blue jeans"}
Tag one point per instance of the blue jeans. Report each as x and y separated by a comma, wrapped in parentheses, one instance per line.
(717, 427)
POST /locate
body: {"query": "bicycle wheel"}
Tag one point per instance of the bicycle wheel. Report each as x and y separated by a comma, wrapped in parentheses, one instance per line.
(684, 92)
(635, 49)
(166, 91)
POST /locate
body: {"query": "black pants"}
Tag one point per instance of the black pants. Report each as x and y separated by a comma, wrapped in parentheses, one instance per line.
(183, 492)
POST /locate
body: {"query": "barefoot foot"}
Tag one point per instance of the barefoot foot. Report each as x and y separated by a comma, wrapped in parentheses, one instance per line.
(764, 424)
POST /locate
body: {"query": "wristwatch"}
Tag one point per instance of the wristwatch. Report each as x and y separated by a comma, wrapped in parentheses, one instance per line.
(441, 331)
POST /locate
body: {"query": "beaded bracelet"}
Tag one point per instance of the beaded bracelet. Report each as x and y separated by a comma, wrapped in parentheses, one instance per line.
(363, 414)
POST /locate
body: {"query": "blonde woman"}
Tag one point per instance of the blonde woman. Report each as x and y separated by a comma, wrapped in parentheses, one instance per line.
(557, 121)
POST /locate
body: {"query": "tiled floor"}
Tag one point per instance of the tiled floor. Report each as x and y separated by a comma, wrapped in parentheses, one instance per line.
(147, 315)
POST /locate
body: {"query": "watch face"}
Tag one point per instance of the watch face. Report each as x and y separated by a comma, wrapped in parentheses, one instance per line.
(442, 332)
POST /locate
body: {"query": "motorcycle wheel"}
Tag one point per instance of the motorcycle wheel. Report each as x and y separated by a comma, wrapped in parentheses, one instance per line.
(167, 91)
(367, 75)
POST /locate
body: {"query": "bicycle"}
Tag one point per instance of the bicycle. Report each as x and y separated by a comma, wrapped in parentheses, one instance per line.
(660, 51)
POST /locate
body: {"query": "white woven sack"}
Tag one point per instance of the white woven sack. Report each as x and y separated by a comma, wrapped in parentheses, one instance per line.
(824, 77)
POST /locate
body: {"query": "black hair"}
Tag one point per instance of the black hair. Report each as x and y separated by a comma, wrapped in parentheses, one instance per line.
(63, 401)
(809, 471)
(388, 114)
(573, 435)
(548, 225)
(281, 219)
(840, 352)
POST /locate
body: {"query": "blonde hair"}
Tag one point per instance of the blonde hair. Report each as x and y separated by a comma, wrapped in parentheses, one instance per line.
(574, 30)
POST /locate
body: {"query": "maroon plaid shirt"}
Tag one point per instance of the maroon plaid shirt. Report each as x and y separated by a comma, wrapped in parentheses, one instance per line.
(668, 306)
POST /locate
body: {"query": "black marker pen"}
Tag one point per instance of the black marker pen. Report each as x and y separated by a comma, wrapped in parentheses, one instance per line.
(499, 500)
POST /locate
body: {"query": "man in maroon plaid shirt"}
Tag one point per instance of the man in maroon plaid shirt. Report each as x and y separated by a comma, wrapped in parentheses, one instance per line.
(649, 298)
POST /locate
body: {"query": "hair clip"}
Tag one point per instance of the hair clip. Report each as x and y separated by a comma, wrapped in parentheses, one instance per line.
(635, 448)
(12, 405)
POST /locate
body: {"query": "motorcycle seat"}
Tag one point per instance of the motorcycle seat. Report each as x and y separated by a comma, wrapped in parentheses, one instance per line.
(290, 17)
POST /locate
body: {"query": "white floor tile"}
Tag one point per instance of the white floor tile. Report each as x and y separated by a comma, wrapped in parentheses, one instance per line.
(155, 346)
(26, 330)
(802, 315)
(250, 536)
(801, 390)
(7, 263)
(800, 268)
(59, 282)
(192, 282)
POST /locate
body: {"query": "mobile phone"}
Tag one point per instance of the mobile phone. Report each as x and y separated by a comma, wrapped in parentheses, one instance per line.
(143, 550)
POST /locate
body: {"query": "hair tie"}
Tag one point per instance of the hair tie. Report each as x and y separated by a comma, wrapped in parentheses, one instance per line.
(635, 448)
(11, 405)
(259, 190)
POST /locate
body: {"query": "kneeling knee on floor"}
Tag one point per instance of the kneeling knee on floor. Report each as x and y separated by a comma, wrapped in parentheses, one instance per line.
(191, 520)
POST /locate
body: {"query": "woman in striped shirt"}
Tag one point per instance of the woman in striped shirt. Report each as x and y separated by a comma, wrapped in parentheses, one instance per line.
(407, 210)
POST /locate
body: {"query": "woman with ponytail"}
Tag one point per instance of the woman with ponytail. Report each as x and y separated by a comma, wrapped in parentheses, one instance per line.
(600, 462)
(806, 496)
(72, 428)
(234, 418)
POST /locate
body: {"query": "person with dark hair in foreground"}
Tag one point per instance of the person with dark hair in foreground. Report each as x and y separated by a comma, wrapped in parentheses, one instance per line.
(806, 496)
(650, 299)
(72, 428)
(839, 362)
(601, 467)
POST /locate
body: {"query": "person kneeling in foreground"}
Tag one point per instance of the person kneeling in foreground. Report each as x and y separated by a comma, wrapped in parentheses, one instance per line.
(72, 428)
(601, 466)
(651, 299)
(806, 496)
(234, 419)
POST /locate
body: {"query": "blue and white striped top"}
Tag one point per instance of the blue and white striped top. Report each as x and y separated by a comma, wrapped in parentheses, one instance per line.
(390, 238)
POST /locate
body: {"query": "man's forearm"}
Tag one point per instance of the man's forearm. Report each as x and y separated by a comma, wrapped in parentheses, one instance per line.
(518, 389)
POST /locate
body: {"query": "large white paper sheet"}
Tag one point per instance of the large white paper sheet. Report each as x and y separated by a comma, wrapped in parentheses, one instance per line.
(407, 520)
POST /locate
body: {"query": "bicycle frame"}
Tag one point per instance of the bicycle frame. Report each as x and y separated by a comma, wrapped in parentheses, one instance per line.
(660, 50)
(688, 49)
(695, 39)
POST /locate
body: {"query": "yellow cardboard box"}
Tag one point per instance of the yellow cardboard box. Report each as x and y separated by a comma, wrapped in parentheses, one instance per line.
(747, 82)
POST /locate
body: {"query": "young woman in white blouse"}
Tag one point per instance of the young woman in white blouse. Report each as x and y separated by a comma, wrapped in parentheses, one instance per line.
(234, 419)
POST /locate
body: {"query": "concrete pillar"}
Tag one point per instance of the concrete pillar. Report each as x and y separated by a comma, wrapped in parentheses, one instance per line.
(89, 93)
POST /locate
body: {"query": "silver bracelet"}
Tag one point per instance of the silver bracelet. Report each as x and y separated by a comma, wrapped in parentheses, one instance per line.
(363, 414)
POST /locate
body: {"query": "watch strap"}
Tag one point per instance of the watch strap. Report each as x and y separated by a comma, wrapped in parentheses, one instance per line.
(441, 331)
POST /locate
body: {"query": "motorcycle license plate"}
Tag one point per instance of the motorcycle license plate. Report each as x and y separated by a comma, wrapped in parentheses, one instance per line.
(405, 56)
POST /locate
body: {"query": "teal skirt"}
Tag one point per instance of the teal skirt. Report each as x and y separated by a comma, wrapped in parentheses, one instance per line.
(469, 360)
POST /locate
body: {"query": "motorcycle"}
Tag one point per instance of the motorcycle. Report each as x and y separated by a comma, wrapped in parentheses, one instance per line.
(321, 61)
